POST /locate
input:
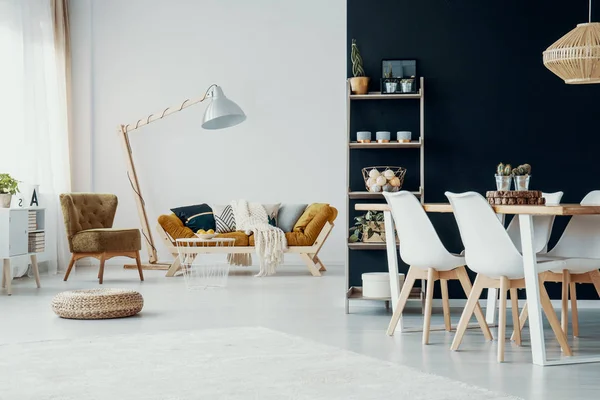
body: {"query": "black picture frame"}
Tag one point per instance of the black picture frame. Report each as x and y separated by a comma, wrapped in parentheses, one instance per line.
(405, 68)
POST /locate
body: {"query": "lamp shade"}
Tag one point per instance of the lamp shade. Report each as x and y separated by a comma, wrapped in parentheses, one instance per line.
(576, 56)
(222, 112)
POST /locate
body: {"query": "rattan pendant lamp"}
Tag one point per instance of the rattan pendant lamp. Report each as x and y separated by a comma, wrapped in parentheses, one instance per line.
(575, 57)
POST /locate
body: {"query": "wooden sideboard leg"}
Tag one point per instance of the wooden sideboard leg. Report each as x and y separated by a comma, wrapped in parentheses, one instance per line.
(7, 276)
(36, 271)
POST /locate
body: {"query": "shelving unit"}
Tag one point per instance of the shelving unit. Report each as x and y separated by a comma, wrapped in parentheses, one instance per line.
(355, 292)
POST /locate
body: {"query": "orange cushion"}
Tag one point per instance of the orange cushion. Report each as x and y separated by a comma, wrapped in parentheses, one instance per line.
(174, 227)
(241, 239)
(308, 215)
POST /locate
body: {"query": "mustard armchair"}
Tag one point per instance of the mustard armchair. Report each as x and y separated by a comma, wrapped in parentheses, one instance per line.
(88, 222)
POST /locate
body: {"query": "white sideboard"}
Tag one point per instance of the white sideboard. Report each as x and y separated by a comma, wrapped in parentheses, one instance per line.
(22, 232)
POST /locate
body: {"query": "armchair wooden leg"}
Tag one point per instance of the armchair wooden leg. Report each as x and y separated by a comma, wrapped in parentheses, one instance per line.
(514, 299)
(574, 313)
(139, 265)
(101, 273)
(71, 263)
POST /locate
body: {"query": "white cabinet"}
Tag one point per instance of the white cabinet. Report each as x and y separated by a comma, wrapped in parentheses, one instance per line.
(21, 233)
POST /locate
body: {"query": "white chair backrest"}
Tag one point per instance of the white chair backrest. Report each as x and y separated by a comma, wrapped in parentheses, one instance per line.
(420, 245)
(542, 226)
(488, 248)
(581, 237)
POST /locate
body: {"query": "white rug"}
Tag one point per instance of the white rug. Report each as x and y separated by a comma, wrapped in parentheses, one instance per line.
(236, 363)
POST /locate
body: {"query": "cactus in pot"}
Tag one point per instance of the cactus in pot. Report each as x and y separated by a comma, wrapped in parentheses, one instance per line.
(359, 83)
(503, 176)
(521, 176)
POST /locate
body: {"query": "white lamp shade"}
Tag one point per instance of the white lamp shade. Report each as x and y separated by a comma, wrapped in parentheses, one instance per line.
(222, 112)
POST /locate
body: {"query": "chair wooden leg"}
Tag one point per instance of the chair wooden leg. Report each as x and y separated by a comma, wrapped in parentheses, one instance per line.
(564, 311)
(522, 319)
(428, 304)
(69, 268)
(446, 304)
(574, 313)
(514, 299)
(404, 294)
(465, 282)
(101, 272)
(472, 302)
(553, 320)
(504, 285)
(139, 265)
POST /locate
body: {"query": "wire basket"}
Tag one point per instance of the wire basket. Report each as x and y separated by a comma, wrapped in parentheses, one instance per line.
(202, 264)
(383, 179)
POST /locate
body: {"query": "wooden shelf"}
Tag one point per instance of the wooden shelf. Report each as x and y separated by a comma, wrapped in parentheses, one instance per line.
(371, 195)
(368, 245)
(384, 96)
(414, 144)
(356, 293)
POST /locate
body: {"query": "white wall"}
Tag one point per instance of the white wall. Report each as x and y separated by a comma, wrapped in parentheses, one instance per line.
(283, 62)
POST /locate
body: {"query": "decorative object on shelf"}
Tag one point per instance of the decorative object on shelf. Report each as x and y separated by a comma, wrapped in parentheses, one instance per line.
(220, 113)
(398, 68)
(407, 85)
(377, 284)
(383, 179)
(575, 57)
(403, 136)
(359, 83)
(521, 176)
(389, 84)
(369, 227)
(363, 137)
(383, 136)
(515, 197)
(503, 176)
(8, 187)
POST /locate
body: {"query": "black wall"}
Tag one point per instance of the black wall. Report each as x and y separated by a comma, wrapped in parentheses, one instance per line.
(488, 99)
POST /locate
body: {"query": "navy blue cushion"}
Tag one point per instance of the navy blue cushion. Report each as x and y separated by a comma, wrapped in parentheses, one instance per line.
(196, 217)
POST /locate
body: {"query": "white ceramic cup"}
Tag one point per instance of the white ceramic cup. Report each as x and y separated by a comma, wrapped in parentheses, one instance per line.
(403, 136)
(363, 136)
(382, 135)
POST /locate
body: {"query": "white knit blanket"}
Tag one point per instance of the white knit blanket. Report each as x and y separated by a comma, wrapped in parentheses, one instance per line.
(269, 241)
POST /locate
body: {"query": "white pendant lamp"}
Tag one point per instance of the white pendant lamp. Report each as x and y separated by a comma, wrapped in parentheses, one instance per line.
(575, 57)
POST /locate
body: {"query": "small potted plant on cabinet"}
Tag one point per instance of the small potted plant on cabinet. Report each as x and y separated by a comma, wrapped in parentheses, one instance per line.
(369, 227)
(521, 176)
(8, 187)
(391, 83)
(359, 84)
(503, 177)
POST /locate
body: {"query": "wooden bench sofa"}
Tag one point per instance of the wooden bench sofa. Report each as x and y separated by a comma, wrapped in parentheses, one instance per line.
(306, 239)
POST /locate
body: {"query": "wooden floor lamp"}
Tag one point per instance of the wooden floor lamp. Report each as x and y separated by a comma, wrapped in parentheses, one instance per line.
(220, 113)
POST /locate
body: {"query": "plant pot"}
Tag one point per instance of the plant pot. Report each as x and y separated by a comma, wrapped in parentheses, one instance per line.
(359, 84)
(503, 182)
(390, 87)
(5, 199)
(378, 229)
(522, 182)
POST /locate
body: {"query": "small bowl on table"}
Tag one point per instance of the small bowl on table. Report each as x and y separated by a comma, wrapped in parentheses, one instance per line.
(206, 236)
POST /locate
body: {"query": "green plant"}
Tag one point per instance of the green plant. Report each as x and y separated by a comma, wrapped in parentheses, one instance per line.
(357, 61)
(389, 73)
(521, 170)
(407, 80)
(8, 185)
(364, 222)
(504, 170)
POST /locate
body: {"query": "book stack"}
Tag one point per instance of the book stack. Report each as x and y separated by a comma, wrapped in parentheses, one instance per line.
(32, 220)
(37, 242)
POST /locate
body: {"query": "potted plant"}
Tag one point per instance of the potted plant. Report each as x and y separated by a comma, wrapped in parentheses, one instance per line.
(521, 176)
(390, 83)
(407, 85)
(503, 177)
(8, 187)
(359, 84)
(369, 227)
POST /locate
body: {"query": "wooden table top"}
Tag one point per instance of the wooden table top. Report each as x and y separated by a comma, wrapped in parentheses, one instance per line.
(559, 209)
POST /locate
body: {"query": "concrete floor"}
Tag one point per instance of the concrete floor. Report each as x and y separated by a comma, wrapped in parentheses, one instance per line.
(313, 308)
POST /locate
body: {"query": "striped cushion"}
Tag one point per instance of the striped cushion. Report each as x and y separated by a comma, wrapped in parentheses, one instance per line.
(224, 218)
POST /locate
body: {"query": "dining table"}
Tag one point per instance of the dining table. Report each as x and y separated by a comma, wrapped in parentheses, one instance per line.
(525, 213)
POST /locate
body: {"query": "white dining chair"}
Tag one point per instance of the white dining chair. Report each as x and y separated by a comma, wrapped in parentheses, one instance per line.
(490, 252)
(579, 248)
(542, 226)
(422, 250)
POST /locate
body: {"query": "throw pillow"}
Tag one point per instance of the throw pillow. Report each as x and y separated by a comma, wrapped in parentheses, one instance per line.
(288, 215)
(272, 211)
(196, 217)
(224, 218)
(308, 216)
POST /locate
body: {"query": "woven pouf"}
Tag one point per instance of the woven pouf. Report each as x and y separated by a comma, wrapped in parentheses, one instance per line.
(97, 303)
